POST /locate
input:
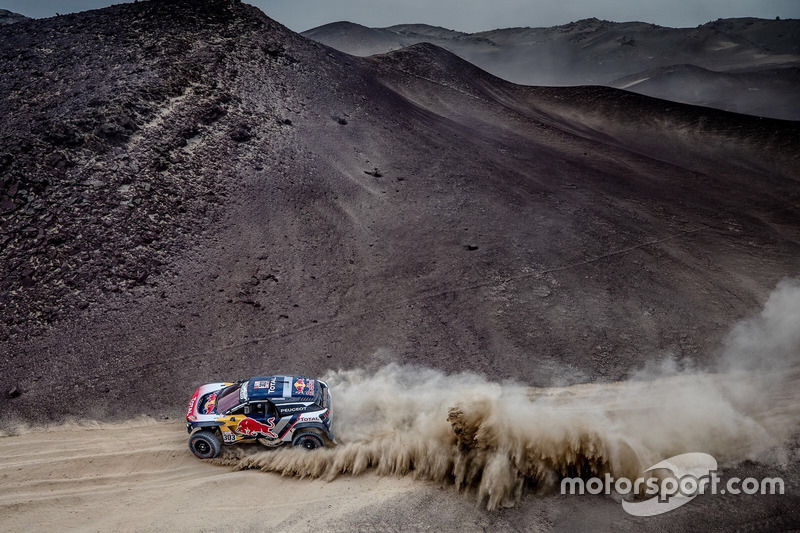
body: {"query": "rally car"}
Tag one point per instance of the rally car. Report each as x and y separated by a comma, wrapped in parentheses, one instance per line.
(272, 410)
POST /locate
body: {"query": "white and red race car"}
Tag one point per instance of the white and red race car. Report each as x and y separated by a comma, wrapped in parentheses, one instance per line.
(273, 410)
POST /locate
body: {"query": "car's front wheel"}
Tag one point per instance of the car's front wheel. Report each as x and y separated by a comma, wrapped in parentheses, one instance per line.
(205, 444)
(308, 440)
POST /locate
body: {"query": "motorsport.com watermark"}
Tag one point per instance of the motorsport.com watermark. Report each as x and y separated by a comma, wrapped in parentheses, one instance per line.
(691, 474)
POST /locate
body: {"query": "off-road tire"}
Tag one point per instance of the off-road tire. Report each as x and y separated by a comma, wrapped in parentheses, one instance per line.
(205, 444)
(309, 440)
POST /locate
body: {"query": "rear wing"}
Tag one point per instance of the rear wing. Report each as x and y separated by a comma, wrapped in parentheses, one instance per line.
(325, 396)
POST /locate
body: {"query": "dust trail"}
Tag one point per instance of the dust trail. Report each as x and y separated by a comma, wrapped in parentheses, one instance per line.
(502, 438)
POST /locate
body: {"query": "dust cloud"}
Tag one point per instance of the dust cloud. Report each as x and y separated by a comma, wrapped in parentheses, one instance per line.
(502, 439)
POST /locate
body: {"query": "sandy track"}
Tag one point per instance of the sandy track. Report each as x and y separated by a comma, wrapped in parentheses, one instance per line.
(141, 476)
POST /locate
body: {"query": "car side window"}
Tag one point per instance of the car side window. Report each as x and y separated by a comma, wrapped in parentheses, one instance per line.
(256, 410)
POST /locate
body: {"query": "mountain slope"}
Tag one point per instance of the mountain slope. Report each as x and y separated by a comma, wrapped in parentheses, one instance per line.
(8, 17)
(359, 40)
(768, 93)
(593, 51)
(200, 202)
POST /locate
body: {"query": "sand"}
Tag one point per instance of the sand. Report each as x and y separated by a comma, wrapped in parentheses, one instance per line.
(140, 475)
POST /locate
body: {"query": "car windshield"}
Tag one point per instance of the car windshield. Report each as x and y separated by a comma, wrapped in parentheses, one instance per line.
(227, 399)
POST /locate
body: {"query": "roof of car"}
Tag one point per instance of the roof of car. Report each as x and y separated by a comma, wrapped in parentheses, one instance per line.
(276, 387)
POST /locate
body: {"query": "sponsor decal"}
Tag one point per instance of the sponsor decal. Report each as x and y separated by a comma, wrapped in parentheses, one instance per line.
(268, 384)
(304, 387)
(211, 403)
(289, 427)
(250, 427)
(293, 409)
(190, 409)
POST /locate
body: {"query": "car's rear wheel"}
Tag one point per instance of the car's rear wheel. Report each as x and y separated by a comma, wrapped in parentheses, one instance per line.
(308, 440)
(205, 444)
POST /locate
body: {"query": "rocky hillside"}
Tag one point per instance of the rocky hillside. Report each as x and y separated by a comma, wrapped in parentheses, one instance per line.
(598, 52)
(190, 192)
(7, 17)
(99, 172)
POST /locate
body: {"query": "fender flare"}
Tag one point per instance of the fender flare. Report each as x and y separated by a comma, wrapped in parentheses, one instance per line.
(314, 425)
(191, 426)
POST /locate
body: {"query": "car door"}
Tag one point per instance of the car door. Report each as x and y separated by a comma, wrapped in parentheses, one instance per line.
(258, 421)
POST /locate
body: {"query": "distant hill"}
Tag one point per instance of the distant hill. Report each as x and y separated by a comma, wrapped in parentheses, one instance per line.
(599, 52)
(769, 92)
(358, 40)
(8, 17)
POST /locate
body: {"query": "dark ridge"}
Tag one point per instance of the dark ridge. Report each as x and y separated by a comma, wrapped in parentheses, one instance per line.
(8, 17)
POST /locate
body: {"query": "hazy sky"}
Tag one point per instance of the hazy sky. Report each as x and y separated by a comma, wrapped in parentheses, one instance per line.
(472, 15)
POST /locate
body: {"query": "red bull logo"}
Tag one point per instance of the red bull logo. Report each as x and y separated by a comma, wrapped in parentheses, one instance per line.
(253, 428)
(304, 387)
(211, 403)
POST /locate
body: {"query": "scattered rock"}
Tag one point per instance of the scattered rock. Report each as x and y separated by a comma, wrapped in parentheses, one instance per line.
(188, 133)
(128, 123)
(542, 291)
(274, 51)
(241, 134)
(112, 132)
(15, 392)
(64, 135)
(56, 160)
(213, 114)
(7, 205)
